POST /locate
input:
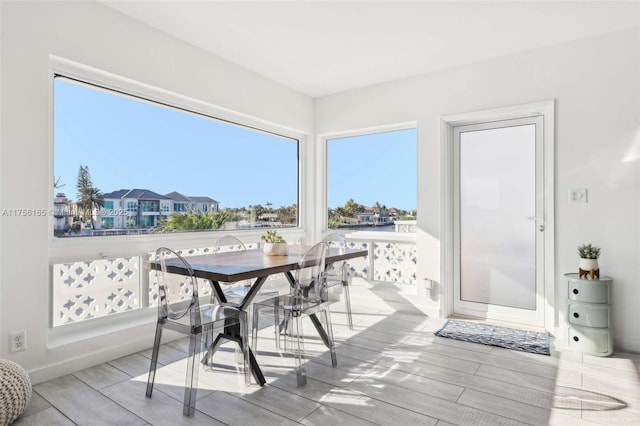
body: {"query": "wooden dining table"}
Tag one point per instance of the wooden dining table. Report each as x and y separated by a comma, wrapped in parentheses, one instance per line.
(233, 266)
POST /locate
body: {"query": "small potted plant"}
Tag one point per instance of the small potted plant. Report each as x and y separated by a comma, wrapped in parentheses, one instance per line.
(589, 255)
(274, 244)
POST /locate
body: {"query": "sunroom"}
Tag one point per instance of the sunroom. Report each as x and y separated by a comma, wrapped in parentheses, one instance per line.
(418, 90)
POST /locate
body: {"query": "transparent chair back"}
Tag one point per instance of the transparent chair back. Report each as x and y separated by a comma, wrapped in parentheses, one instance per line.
(180, 310)
(338, 274)
(307, 298)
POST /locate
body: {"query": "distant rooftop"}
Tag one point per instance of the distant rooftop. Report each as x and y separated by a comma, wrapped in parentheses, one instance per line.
(180, 197)
(140, 194)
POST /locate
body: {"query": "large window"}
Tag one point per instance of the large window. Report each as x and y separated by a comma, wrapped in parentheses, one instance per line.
(121, 150)
(371, 180)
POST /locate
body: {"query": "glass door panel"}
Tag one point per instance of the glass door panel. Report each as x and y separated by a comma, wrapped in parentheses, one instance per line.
(497, 203)
(497, 228)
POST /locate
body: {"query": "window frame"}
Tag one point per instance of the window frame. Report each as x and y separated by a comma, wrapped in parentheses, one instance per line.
(99, 79)
(89, 248)
(323, 139)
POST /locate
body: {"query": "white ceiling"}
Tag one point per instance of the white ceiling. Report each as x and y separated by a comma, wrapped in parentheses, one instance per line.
(323, 47)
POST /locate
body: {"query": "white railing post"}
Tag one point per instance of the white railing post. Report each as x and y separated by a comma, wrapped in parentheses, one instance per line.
(371, 257)
(145, 282)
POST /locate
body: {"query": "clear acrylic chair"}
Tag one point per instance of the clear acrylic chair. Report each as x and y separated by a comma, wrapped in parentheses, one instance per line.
(180, 310)
(308, 298)
(236, 292)
(337, 274)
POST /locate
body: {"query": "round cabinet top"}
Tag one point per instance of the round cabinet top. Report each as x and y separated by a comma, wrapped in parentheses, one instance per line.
(576, 277)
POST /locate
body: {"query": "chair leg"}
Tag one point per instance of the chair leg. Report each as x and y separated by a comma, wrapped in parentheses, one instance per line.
(154, 360)
(329, 330)
(276, 325)
(254, 331)
(191, 384)
(244, 346)
(347, 304)
(299, 351)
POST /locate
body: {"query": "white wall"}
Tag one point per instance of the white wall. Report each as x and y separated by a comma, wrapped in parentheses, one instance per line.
(90, 34)
(596, 85)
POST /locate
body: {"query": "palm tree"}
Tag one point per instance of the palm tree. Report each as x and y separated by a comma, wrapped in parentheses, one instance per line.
(193, 220)
(56, 183)
(90, 198)
(350, 207)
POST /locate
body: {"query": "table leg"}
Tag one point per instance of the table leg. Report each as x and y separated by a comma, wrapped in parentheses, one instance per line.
(321, 331)
(234, 330)
(255, 368)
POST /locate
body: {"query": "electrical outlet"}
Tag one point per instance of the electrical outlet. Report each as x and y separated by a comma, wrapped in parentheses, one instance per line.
(18, 341)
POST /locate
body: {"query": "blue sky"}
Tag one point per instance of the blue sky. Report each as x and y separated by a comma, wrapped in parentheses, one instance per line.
(373, 168)
(132, 144)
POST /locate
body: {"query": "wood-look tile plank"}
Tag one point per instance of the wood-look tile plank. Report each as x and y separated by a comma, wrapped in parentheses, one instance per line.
(402, 356)
(561, 419)
(506, 408)
(350, 401)
(610, 385)
(374, 410)
(159, 410)
(358, 352)
(622, 417)
(36, 403)
(134, 365)
(421, 339)
(414, 382)
(443, 423)
(83, 404)
(101, 376)
(433, 407)
(285, 403)
(233, 410)
(324, 415)
(523, 378)
(620, 360)
(488, 359)
(543, 398)
(166, 355)
(49, 416)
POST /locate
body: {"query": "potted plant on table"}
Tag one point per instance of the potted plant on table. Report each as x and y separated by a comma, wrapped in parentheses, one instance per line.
(588, 265)
(274, 244)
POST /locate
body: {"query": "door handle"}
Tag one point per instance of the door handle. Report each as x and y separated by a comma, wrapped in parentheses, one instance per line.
(537, 219)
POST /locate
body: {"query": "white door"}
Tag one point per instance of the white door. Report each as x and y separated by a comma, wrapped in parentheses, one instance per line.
(498, 220)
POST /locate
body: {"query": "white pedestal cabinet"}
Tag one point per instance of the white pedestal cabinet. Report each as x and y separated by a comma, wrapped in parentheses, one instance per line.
(589, 315)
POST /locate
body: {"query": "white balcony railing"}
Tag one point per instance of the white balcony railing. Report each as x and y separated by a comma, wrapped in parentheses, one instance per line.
(391, 258)
(96, 288)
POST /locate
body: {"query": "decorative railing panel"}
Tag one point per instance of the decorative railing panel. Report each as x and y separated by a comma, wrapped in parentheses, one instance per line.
(392, 256)
(85, 290)
(394, 262)
(359, 267)
(97, 288)
(406, 226)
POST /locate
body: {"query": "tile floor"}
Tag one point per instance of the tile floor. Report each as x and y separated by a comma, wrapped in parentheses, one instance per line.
(392, 371)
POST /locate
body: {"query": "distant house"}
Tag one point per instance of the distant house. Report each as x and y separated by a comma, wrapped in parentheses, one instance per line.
(371, 217)
(62, 212)
(133, 208)
(183, 203)
(142, 208)
(269, 217)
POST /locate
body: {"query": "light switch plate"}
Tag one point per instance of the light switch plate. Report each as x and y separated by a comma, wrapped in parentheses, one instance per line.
(578, 195)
